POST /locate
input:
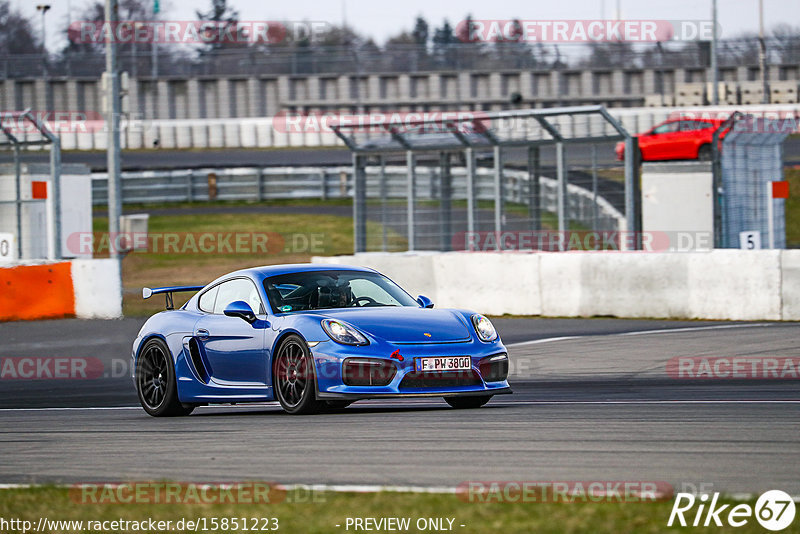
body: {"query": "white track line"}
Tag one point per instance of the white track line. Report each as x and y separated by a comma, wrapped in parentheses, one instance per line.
(640, 333)
(674, 401)
(395, 403)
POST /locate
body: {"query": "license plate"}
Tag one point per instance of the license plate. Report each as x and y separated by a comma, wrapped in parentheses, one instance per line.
(445, 363)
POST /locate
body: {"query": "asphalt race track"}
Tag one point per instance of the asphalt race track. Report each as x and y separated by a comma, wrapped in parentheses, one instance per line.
(592, 401)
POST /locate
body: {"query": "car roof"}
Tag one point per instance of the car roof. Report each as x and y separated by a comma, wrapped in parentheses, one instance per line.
(274, 270)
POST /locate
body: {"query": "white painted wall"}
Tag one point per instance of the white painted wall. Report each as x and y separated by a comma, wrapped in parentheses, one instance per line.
(98, 289)
(258, 131)
(677, 197)
(720, 284)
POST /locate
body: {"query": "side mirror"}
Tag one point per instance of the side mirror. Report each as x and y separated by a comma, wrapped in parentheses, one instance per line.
(242, 310)
(424, 301)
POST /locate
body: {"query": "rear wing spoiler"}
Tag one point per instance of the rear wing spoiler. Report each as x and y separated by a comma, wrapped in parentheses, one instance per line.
(168, 291)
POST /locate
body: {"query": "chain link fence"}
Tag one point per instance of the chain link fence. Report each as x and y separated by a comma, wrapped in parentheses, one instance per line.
(751, 159)
(183, 60)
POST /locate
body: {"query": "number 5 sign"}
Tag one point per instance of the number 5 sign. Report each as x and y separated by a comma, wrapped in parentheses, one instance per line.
(750, 240)
(8, 250)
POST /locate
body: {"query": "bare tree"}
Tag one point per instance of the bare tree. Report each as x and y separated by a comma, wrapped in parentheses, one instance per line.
(16, 32)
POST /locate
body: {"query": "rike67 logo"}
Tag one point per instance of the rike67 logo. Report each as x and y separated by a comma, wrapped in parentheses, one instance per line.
(774, 510)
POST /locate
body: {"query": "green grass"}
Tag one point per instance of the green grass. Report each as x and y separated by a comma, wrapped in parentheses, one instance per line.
(792, 175)
(300, 513)
(290, 239)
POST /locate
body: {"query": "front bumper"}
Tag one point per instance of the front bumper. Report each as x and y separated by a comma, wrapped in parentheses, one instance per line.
(406, 381)
(360, 396)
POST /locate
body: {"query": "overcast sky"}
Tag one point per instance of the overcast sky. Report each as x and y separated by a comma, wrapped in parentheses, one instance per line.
(381, 19)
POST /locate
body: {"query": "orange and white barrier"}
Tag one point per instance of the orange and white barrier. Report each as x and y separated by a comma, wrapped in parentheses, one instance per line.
(87, 289)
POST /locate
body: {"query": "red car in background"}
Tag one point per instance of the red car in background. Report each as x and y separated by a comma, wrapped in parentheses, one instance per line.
(680, 138)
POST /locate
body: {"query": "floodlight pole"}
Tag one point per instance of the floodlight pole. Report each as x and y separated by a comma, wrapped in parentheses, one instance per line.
(714, 66)
(112, 123)
(762, 54)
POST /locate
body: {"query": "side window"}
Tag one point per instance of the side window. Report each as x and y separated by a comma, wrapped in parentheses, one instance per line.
(238, 289)
(669, 127)
(207, 299)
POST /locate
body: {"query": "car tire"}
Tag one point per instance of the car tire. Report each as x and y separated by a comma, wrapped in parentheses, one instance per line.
(462, 403)
(294, 378)
(155, 381)
(704, 153)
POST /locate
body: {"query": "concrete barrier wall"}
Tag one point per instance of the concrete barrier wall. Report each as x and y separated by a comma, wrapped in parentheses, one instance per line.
(721, 284)
(258, 132)
(87, 289)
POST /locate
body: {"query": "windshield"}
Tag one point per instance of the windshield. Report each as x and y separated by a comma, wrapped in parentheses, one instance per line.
(319, 290)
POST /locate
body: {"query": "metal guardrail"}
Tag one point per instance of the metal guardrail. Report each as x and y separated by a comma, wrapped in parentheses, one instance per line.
(274, 183)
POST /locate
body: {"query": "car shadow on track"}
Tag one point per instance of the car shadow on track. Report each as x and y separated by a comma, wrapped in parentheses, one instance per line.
(352, 410)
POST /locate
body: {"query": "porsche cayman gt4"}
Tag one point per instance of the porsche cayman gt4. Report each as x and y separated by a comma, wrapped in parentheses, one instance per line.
(313, 337)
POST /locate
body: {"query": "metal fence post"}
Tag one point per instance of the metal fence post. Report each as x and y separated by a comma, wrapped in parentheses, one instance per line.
(630, 173)
(469, 156)
(55, 177)
(18, 198)
(498, 193)
(534, 202)
(260, 184)
(411, 173)
(446, 193)
(561, 175)
(383, 193)
(359, 203)
(637, 194)
(595, 207)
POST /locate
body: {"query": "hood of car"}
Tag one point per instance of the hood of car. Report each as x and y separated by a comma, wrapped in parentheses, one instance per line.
(406, 324)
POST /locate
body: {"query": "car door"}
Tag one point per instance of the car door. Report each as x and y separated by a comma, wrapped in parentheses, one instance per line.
(234, 349)
(687, 140)
(658, 143)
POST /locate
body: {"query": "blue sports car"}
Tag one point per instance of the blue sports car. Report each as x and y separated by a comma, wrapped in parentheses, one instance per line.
(313, 337)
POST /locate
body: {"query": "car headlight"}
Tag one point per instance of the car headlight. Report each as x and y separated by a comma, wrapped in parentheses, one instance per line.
(343, 333)
(484, 328)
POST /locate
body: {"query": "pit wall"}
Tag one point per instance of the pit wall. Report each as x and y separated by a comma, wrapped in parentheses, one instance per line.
(87, 289)
(721, 284)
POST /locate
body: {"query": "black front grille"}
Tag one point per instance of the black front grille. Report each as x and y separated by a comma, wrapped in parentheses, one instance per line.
(494, 368)
(367, 372)
(440, 379)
